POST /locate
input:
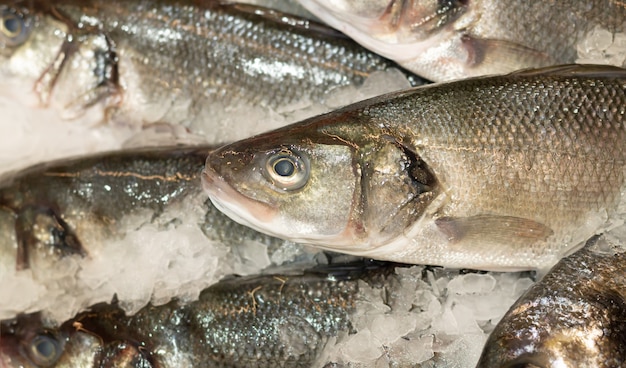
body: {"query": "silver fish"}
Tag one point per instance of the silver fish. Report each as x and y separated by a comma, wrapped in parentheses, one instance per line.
(502, 173)
(179, 62)
(574, 317)
(443, 40)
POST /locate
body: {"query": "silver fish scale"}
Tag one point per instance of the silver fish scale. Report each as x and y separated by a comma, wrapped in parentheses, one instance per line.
(553, 135)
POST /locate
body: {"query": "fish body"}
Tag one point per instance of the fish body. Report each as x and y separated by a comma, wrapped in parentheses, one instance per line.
(574, 317)
(260, 321)
(499, 173)
(179, 62)
(444, 40)
(73, 229)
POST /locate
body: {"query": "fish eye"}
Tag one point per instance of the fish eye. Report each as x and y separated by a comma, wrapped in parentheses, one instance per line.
(287, 170)
(44, 350)
(14, 28)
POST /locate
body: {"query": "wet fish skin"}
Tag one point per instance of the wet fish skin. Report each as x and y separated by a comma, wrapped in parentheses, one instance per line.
(574, 317)
(177, 61)
(444, 40)
(259, 321)
(501, 173)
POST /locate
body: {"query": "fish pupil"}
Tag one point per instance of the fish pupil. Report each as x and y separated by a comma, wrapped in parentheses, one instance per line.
(12, 25)
(45, 348)
(44, 351)
(284, 167)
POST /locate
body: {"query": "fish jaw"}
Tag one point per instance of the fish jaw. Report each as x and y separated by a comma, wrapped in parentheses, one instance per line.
(231, 202)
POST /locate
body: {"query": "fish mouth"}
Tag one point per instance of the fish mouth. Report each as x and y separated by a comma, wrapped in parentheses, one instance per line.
(240, 208)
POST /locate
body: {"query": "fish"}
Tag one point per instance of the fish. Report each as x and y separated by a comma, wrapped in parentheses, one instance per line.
(72, 231)
(274, 320)
(142, 62)
(446, 40)
(574, 317)
(493, 173)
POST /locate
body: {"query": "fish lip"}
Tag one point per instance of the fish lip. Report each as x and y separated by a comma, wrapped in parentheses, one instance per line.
(235, 205)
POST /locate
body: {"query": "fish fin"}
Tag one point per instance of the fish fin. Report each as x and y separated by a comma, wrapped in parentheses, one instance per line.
(498, 229)
(291, 20)
(502, 56)
(579, 70)
(53, 235)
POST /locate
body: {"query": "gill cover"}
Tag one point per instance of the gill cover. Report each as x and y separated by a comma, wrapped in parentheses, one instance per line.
(396, 188)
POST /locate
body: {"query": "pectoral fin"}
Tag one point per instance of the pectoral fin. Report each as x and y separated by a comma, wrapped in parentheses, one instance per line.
(500, 56)
(41, 232)
(493, 229)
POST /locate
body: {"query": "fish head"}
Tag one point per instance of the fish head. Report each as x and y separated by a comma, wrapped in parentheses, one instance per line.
(438, 40)
(329, 181)
(393, 21)
(32, 341)
(414, 33)
(26, 341)
(30, 42)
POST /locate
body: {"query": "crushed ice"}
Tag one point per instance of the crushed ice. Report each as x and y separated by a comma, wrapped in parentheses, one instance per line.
(437, 318)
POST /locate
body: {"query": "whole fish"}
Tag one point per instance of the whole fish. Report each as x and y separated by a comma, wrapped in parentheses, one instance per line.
(443, 40)
(261, 321)
(574, 317)
(73, 231)
(177, 61)
(502, 173)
